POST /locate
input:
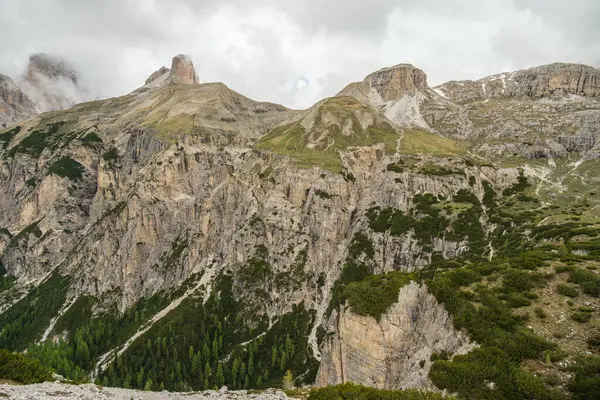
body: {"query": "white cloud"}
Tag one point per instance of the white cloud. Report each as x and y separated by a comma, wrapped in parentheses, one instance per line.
(260, 48)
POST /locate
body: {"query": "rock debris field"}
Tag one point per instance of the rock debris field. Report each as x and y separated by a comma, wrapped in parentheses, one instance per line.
(61, 391)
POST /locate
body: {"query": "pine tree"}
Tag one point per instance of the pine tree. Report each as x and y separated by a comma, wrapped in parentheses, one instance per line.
(283, 361)
(140, 378)
(250, 362)
(205, 352)
(274, 356)
(215, 349)
(234, 371)
(195, 362)
(148, 386)
(220, 379)
(288, 381)
(207, 370)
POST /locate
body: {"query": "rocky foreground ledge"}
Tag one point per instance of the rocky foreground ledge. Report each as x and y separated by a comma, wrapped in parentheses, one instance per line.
(60, 391)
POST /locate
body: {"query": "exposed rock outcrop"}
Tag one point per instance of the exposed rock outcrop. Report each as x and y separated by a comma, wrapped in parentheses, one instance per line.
(15, 105)
(183, 180)
(157, 74)
(393, 353)
(397, 92)
(53, 391)
(183, 71)
(543, 81)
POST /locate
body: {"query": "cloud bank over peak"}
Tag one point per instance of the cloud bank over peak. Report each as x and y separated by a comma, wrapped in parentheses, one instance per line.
(292, 52)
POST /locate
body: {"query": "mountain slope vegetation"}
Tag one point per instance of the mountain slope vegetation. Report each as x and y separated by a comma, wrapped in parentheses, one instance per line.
(184, 237)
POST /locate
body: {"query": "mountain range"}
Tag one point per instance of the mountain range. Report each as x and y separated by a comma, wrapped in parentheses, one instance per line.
(396, 235)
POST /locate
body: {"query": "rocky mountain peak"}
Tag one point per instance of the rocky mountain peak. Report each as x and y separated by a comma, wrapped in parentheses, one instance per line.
(393, 83)
(183, 71)
(555, 78)
(52, 83)
(396, 92)
(157, 74)
(50, 67)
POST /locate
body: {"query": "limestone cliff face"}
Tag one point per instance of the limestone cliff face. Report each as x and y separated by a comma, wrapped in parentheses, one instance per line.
(544, 81)
(393, 353)
(15, 105)
(397, 92)
(548, 112)
(394, 82)
(174, 181)
(183, 71)
(157, 74)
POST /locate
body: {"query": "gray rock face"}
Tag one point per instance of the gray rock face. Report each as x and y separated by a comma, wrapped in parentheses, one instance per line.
(397, 92)
(395, 82)
(157, 74)
(544, 81)
(183, 71)
(52, 84)
(15, 105)
(544, 112)
(61, 391)
(393, 353)
(174, 186)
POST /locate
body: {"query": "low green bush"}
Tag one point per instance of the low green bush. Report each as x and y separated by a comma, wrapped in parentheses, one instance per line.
(540, 313)
(396, 167)
(66, 167)
(350, 391)
(18, 368)
(111, 155)
(375, 294)
(581, 317)
(587, 280)
(470, 375)
(585, 385)
(567, 290)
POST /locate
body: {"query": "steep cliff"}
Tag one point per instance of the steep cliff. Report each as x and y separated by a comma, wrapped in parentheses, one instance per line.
(544, 81)
(394, 352)
(15, 105)
(229, 240)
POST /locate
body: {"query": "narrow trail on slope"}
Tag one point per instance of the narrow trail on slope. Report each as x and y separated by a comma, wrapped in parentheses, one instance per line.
(61, 312)
(228, 356)
(26, 285)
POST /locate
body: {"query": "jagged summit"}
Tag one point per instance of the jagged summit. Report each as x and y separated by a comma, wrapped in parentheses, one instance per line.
(393, 83)
(157, 74)
(52, 83)
(557, 79)
(49, 66)
(182, 71)
(395, 91)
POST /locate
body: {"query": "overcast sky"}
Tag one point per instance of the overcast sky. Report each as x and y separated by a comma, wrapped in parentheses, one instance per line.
(295, 52)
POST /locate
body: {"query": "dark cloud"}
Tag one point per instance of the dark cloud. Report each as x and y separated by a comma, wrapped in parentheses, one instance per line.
(295, 52)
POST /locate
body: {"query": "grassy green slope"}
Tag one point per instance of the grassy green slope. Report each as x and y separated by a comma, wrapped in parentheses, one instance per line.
(339, 123)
